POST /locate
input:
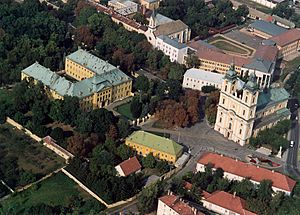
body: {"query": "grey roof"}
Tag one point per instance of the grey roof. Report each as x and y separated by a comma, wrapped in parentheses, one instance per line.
(260, 64)
(270, 97)
(161, 19)
(170, 28)
(90, 61)
(172, 42)
(268, 43)
(204, 75)
(274, 117)
(80, 89)
(267, 27)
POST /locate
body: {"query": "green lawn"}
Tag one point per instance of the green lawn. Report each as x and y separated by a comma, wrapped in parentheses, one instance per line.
(20, 153)
(229, 47)
(54, 191)
(256, 6)
(124, 110)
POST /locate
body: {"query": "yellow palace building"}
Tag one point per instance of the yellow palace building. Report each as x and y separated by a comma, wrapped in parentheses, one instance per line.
(94, 81)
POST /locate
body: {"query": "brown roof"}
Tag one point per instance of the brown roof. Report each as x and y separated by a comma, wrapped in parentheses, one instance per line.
(130, 166)
(247, 170)
(178, 205)
(213, 54)
(229, 201)
(188, 185)
(170, 28)
(287, 37)
(267, 52)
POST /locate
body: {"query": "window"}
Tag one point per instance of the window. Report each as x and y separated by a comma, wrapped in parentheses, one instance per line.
(223, 101)
(244, 112)
(225, 88)
(220, 119)
(229, 126)
(240, 131)
(246, 99)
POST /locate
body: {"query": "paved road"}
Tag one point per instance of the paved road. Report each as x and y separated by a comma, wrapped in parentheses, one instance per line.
(292, 158)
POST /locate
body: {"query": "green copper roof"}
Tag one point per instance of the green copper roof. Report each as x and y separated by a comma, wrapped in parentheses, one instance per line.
(107, 77)
(231, 73)
(271, 96)
(251, 84)
(155, 142)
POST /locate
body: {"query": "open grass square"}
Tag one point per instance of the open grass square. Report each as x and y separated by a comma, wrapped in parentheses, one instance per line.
(20, 154)
(124, 110)
(54, 191)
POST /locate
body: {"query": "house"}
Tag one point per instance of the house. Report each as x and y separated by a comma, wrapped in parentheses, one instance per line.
(225, 203)
(172, 48)
(144, 143)
(265, 29)
(173, 205)
(288, 43)
(94, 81)
(197, 78)
(238, 170)
(244, 110)
(128, 167)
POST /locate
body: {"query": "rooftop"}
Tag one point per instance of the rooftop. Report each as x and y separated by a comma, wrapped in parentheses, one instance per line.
(267, 27)
(155, 142)
(204, 75)
(266, 52)
(287, 37)
(130, 166)
(170, 28)
(228, 201)
(270, 97)
(181, 207)
(260, 65)
(247, 170)
(161, 19)
(172, 42)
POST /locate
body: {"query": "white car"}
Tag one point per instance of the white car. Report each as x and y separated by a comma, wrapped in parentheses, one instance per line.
(292, 144)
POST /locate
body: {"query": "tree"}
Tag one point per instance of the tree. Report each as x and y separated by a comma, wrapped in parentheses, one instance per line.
(123, 127)
(174, 88)
(124, 152)
(112, 132)
(76, 145)
(149, 161)
(244, 188)
(85, 37)
(192, 61)
(141, 83)
(147, 200)
(176, 72)
(136, 107)
(57, 134)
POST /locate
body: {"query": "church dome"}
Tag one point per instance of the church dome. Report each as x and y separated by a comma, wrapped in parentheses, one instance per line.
(231, 73)
(251, 83)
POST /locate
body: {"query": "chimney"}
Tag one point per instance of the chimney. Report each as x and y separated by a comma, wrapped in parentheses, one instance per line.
(221, 155)
(236, 160)
(273, 171)
(257, 166)
(234, 194)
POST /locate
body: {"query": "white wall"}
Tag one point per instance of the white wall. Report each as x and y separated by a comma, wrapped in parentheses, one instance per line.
(217, 208)
(197, 84)
(163, 209)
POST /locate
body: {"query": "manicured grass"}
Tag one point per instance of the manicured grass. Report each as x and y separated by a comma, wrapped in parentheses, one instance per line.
(30, 155)
(229, 47)
(54, 191)
(124, 110)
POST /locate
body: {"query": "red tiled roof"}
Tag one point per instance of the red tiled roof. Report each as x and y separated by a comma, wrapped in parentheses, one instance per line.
(205, 194)
(246, 170)
(188, 185)
(287, 37)
(229, 201)
(178, 205)
(130, 166)
(213, 54)
(267, 52)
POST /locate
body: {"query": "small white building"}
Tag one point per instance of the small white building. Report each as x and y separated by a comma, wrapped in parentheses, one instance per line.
(172, 48)
(224, 203)
(129, 166)
(238, 170)
(124, 7)
(173, 205)
(197, 78)
(269, 3)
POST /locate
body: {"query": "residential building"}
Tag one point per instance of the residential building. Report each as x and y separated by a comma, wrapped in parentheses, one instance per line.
(95, 82)
(197, 78)
(144, 143)
(269, 3)
(214, 59)
(128, 167)
(172, 48)
(150, 4)
(238, 170)
(288, 43)
(173, 29)
(265, 29)
(124, 7)
(263, 65)
(225, 203)
(173, 205)
(243, 110)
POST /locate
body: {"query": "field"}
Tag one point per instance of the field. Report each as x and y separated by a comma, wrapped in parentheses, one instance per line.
(124, 110)
(58, 190)
(230, 46)
(22, 159)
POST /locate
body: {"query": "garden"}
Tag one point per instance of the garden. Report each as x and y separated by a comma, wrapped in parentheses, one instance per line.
(54, 194)
(23, 160)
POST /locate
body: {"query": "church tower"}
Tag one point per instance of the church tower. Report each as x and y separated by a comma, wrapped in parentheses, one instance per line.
(152, 22)
(237, 106)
